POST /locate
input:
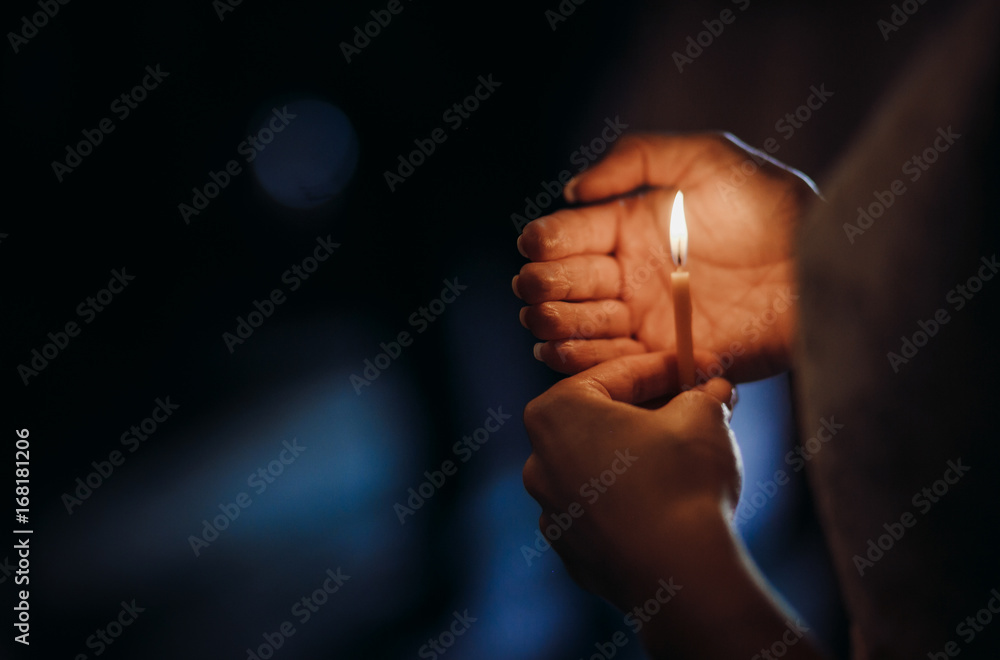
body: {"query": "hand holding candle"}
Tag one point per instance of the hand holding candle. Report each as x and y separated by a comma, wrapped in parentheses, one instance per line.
(680, 288)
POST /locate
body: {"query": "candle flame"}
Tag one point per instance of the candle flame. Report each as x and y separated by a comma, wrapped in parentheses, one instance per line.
(678, 232)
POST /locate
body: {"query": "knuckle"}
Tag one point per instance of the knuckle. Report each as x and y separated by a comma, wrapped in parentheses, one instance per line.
(530, 235)
(558, 399)
(640, 149)
(632, 142)
(551, 242)
(589, 353)
(570, 359)
(533, 412)
(542, 412)
(531, 284)
(552, 320)
(560, 282)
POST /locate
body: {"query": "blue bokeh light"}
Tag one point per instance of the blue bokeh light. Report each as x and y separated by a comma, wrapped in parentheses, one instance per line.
(762, 424)
(311, 160)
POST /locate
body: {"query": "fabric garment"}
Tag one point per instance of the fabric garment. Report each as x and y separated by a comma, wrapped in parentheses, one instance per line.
(900, 290)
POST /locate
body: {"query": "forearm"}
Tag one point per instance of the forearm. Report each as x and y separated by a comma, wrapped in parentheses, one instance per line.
(723, 609)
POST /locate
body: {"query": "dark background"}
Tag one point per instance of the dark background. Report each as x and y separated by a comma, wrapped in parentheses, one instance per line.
(333, 506)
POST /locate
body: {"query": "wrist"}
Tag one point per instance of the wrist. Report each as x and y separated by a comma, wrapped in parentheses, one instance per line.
(671, 547)
(721, 606)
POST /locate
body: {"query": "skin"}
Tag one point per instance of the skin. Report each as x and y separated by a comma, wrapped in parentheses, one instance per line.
(668, 514)
(587, 293)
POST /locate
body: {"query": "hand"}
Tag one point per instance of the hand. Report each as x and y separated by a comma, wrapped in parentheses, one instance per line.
(599, 283)
(631, 480)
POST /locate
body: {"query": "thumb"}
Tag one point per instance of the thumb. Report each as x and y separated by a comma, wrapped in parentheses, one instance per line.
(628, 379)
(671, 161)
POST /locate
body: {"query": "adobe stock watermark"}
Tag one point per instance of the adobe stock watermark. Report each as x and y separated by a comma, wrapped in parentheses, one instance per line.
(924, 500)
(301, 610)
(562, 12)
(454, 116)
(582, 157)
(132, 439)
(373, 28)
(609, 649)
(796, 459)
(293, 276)
(635, 619)
(642, 614)
(632, 282)
(898, 17)
(914, 168)
(438, 646)
(753, 329)
(714, 28)
(22, 611)
(794, 631)
(970, 627)
(106, 635)
(122, 107)
(463, 450)
(786, 127)
(928, 329)
(421, 320)
(590, 491)
(259, 480)
(223, 7)
(201, 196)
(88, 309)
(6, 569)
(31, 24)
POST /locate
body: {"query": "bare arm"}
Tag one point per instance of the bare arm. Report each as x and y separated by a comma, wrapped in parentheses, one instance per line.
(649, 494)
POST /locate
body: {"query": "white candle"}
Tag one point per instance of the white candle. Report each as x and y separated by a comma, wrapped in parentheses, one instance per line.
(680, 289)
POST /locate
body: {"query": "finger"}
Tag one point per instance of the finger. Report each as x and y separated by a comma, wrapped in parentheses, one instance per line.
(695, 408)
(605, 319)
(629, 379)
(575, 355)
(722, 390)
(700, 414)
(580, 277)
(652, 160)
(586, 320)
(705, 362)
(591, 230)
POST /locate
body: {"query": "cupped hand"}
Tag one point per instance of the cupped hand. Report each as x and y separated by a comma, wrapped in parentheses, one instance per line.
(598, 285)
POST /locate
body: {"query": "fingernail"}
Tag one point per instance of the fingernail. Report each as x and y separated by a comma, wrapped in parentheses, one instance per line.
(519, 248)
(569, 192)
(734, 398)
(537, 351)
(521, 314)
(513, 285)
